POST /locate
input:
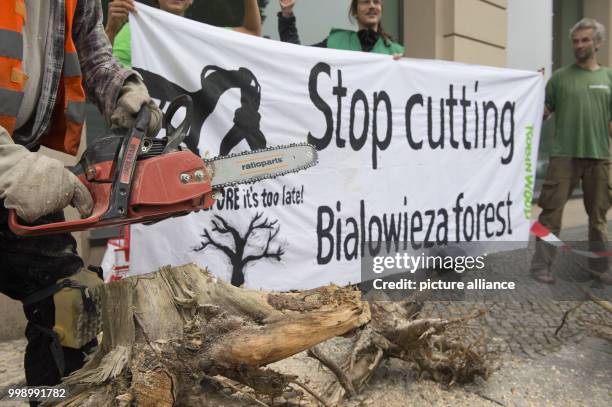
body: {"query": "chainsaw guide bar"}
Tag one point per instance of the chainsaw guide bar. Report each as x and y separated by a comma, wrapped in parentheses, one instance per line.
(253, 166)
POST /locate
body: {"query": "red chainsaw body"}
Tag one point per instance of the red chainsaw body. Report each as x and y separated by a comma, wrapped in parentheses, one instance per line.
(162, 187)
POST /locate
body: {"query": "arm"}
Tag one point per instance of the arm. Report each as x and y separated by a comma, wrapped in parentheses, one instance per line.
(118, 93)
(287, 30)
(322, 44)
(103, 75)
(118, 11)
(35, 185)
(547, 111)
(252, 19)
(550, 97)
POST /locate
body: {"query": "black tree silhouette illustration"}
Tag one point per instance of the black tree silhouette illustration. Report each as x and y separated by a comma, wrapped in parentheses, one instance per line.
(238, 255)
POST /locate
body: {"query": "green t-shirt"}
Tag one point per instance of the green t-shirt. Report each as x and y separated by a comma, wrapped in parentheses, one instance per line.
(582, 102)
(122, 47)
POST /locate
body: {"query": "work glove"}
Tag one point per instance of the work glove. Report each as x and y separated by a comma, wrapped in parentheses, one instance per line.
(35, 185)
(133, 96)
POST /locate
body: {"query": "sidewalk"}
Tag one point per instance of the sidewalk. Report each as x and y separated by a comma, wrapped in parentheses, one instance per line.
(11, 369)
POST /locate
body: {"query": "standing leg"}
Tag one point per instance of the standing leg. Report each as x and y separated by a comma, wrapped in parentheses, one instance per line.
(597, 202)
(46, 361)
(27, 266)
(559, 183)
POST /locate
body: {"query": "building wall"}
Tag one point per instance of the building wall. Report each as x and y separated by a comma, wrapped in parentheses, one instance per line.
(566, 14)
(522, 34)
(471, 31)
(601, 10)
(530, 46)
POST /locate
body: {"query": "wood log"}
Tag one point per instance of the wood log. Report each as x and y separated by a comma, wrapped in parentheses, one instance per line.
(171, 338)
(165, 332)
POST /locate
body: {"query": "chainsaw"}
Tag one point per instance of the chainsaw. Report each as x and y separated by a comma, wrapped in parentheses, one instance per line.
(136, 178)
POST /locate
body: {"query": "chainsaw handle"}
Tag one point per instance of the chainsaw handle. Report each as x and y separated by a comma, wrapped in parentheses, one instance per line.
(99, 191)
(176, 135)
(110, 200)
(126, 164)
(142, 119)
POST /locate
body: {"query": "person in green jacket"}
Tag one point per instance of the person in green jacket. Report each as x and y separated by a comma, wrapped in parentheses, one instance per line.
(370, 37)
(118, 29)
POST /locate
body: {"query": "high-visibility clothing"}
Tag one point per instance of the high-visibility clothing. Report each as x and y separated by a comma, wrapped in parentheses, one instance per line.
(64, 133)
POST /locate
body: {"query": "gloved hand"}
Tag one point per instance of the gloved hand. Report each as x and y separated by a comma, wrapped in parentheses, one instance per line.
(35, 185)
(132, 97)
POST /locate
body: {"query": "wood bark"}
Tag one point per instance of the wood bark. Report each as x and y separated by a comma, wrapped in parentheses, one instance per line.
(165, 332)
(178, 336)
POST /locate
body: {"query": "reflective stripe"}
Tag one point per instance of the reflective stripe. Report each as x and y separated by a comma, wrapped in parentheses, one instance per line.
(10, 101)
(11, 44)
(76, 112)
(20, 9)
(72, 67)
(18, 76)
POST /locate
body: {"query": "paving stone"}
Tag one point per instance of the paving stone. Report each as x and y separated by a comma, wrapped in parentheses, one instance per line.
(11, 369)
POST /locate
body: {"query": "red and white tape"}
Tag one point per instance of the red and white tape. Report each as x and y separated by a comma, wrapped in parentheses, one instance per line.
(546, 235)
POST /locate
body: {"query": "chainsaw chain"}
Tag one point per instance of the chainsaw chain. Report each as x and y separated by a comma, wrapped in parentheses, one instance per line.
(262, 177)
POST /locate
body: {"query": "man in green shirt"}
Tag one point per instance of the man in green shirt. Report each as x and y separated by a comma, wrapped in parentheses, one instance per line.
(580, 97)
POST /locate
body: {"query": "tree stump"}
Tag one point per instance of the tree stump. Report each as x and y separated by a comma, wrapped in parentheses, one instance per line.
(165, 332)
(171, 335)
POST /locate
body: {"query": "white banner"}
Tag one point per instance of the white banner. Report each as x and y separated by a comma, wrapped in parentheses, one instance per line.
(416, 151)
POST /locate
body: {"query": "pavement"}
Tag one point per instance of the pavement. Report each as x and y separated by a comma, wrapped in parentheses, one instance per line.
(11, 369)
(578, 374)
(523, 322)
(541, 367)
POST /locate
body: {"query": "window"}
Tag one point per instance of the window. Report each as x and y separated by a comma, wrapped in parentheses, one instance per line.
(566, 14)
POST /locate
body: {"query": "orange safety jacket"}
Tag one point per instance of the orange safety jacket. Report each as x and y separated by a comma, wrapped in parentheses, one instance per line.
(64, 133)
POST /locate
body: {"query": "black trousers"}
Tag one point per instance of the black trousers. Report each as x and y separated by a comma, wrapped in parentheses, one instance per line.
(28, 265)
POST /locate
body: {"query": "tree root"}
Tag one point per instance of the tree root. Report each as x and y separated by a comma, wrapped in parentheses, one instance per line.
(434, 346)
(167, 333)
